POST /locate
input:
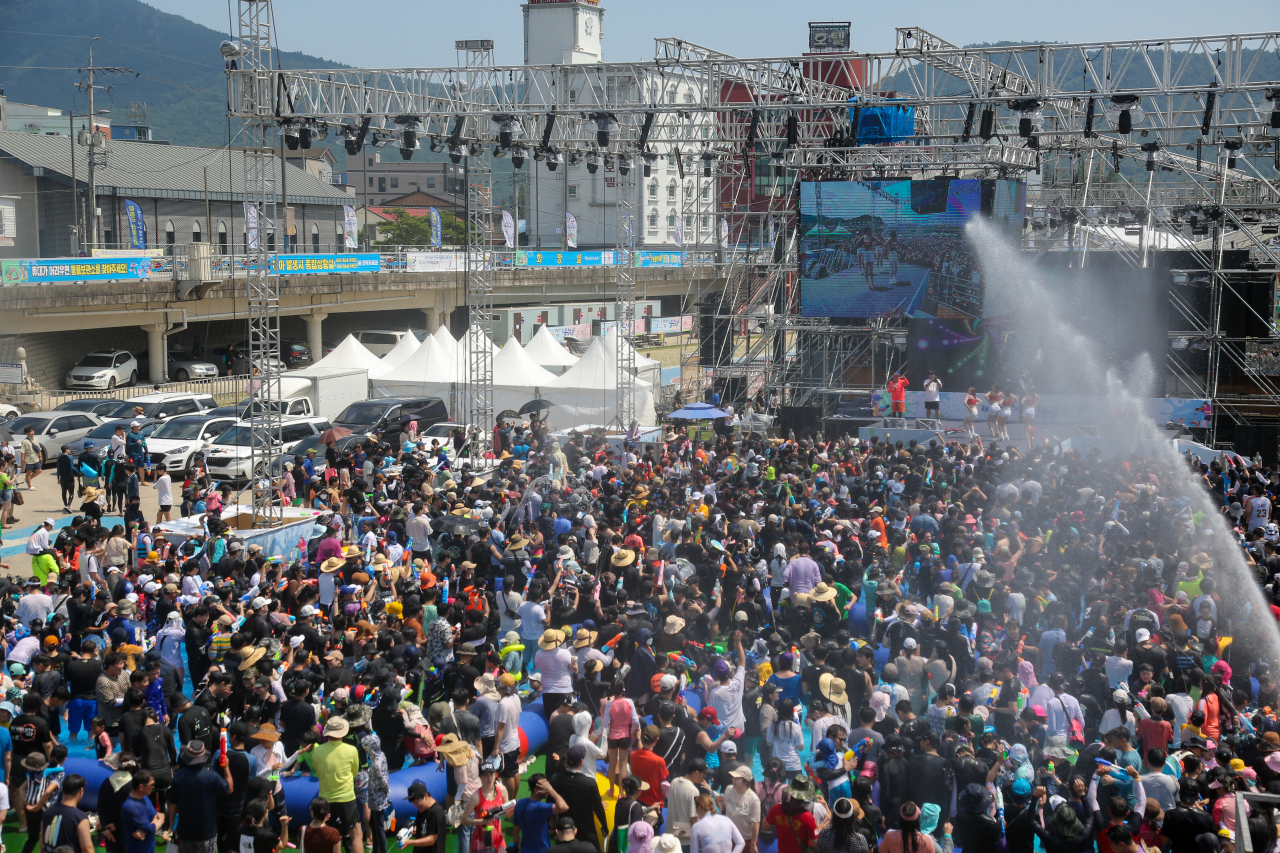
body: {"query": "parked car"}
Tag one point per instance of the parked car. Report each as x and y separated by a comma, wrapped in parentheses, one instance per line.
(229, 456)
(164, 405)
(175, 443)
(441, 432)
(53, 429)
(383, 415)
(104, 369)
(240, 361)
(183, 366)
(295, 354)
(380, 341)
(92, 405)
(98, 439)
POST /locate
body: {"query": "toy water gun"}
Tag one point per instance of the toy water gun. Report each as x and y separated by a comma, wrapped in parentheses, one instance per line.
(1112, 769)
(718, 648)
(222, 748)
(677, 658)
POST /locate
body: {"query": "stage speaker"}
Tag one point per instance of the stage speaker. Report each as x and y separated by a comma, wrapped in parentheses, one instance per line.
(805, 421)
(1260, 439)
(715, 336)
(894, 423)
(928, 423)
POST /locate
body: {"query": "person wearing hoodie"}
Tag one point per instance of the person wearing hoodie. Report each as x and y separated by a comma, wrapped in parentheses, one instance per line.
(582, 737)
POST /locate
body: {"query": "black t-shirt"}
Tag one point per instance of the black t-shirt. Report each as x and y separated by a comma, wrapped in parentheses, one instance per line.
(257, 839)
(575, 846)
(1182, 825)
(79, 616)
(68, 818)
(431, 822)
(30, 733)
(82, 677)
(1004, 723)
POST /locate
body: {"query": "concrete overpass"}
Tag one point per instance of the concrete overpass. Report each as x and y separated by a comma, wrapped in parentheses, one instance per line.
(58, 323)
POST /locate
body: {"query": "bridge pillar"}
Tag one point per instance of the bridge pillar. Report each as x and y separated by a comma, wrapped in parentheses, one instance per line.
(315, 336)
(156, 345)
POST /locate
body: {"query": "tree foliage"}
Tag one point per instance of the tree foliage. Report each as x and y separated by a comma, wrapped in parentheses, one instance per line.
(407, 230)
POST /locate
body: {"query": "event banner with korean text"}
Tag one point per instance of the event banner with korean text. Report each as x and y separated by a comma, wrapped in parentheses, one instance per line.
(325, 264)
(54, 270)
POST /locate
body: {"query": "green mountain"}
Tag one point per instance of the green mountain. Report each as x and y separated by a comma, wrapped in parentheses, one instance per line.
(173, 65)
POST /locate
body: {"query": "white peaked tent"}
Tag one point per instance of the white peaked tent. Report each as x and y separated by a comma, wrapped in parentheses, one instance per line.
(546, 351)
(647, 369)
(513, 368)
(446, 340)
(587, 393)
(428, 370)
(352, 355)
(405, 347)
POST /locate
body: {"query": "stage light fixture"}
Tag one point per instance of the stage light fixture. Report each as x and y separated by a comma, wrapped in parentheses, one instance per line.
(624, 165)
(987, 123)
(289, 132)
(231, 49)
(593, 162)
(604, 121)
(1123, 111)
(455, 138)
(1232, 146)
(554, 159)
(644, 131)
(969, 116)
(609, 162)
(1210, 100)
(793, 130)
(518, 153)
(574, 158)
(753, 128)
(353, 137)
(1273, 95)
(1088, 119)
(498, 151)
(507, 128)
(455, 153)
(1151, 148)
(436, 145)
(475, 149)
(707, 159)
(649, 159)
(1029, 116)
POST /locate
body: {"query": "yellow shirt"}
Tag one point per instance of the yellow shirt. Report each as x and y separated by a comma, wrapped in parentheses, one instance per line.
(336, 764)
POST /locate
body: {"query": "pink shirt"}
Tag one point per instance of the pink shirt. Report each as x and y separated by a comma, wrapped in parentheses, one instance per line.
(620, 718)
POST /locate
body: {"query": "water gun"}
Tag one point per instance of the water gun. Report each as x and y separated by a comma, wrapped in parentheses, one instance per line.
(678, 658)
(613, 641)
(1112, 769)
(718, 648)
(859, 750)
(222, 748)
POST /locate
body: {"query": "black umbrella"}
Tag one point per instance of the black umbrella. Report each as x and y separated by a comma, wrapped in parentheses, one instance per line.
(5, 435)
(535, 406)
(507, 413)
(458, 525)
(419, 415)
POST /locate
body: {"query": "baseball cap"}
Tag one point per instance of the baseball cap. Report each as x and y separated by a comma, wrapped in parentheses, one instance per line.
(1142, 635)
(308, 610)
(910, 643)
(416, 791)
(728, 747)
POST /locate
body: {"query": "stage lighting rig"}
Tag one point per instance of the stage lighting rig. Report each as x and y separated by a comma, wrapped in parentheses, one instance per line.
(1150, 148)
(289, 131)
(1273, 95)
(1206, 123)
(475, 149)
(1123, 111)
(593, 162)
(624, 164)
(1030, 117)
(436, 145)
(410, 128)
(353, 137)
(1232, 146)
(604, 122)
(518, 153)
(649, 159)
(707, 159)
(554, 158)
(987, 123)
(507, 129)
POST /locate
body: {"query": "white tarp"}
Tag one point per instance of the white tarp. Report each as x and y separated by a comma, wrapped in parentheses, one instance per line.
(513, 368)
(405, 347)
(352, 355)
(588, 391)
(544, 350)
(649, 370)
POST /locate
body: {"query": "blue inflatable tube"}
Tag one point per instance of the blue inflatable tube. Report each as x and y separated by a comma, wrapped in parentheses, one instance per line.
(858, 626)
(535, 728)
(94, 773)
(692, 700)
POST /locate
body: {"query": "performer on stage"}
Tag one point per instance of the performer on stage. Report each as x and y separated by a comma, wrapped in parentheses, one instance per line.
(1029, 402)
(971, 402)
(993, 410)
(897, 388)
(933, 396)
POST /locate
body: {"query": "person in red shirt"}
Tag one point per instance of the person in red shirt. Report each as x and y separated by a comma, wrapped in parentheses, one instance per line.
(897, 388)
(796, 827)
(648, 767)
(1154, 732)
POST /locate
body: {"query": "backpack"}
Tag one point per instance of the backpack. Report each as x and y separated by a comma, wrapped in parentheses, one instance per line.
(769, 797)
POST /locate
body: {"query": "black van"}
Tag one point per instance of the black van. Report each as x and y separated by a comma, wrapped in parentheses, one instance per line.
(389, 415)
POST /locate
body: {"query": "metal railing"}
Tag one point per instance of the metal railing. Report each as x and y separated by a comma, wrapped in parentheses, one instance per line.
(226, 390)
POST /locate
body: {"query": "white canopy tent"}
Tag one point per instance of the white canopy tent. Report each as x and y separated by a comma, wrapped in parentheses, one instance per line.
(430, 369)
(405, 347)
(513, 368)
(352, 355)
(546, 351)
(588, 391)
(648, 370)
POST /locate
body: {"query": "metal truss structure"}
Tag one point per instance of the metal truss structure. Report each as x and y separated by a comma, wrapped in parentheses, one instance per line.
(624, 301)
(480, 316)
(1080, 121)
(253, 91)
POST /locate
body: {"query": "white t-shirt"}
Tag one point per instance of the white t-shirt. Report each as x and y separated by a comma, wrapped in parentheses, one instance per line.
(932, 390)
(531, 615)
(164, 490)
(1259, 512)
(513, 601)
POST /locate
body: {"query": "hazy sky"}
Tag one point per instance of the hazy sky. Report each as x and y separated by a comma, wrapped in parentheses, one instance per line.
(420, 33)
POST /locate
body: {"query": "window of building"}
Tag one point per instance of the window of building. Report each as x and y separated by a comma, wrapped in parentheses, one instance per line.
(706, 222)
(382, 185)
(688, 221)
(315, 237)
(671, 190)
(706, 191)
(413, 183)
(653, 189)
(688, 190)
(573, 190)
(653, 218)
(431, 183)
(371, 180)
(196, 236)
(271, 241)
(671, 96)
(573, 96)
(671, 220)
(706, 132)
(170, 236)
(222, 237)
(395, 182)
(370, 161)
(671, 161)
(688, 96)
(771, 178)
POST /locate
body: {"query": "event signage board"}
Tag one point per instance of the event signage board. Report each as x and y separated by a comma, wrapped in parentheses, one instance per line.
(659, 259)
(597, 258)
(325, 264)
(434, 261)
(580, 332)
(670, 325)
(51, 270)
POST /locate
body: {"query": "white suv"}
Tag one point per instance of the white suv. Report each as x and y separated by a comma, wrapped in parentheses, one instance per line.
(104, 369)
(228, 456)
(164, 405)
(381, 341)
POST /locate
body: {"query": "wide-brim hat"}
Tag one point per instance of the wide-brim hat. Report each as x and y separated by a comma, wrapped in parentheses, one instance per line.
(250, 656)
(336, 727)
(673, 625)
(624, 557)
(267, 732)
(516, 542)
(822, 592)
(332, 564)
(358, 715)
(551, 640)
(984, 578)
(457, 753)
(584, 638)
(352, 551)
(487, 687)
(1202, 561)
(35, 761)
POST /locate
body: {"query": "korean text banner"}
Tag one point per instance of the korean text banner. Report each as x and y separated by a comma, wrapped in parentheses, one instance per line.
(659, 259)
(322, 264)
(602, 258)
(137, 225)
(76, 269)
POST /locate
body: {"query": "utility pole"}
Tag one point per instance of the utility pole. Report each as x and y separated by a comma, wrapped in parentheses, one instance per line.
(93, 187)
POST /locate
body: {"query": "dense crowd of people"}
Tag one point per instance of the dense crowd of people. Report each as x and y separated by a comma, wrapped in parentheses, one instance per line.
(736, 642)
